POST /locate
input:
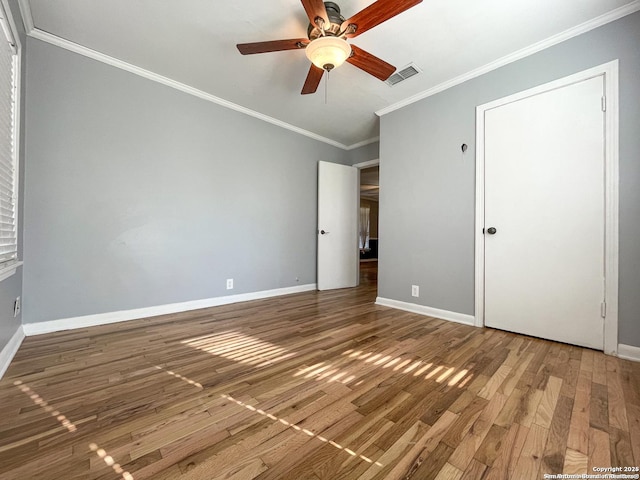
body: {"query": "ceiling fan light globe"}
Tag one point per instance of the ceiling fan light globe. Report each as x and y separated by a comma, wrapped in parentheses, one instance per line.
(328, 52)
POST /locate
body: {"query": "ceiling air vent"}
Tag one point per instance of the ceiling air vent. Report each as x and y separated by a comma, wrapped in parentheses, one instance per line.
(401, 75)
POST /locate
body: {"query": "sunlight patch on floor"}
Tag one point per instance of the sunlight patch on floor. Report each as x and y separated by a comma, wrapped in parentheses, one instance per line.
(38, 400)
(110, 462)
(177, 375)
(334, 372)
(301, 430)
(239, 348)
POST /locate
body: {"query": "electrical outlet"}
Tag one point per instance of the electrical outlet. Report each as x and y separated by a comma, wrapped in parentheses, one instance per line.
(16, 307)
(229, 283)
(415, 291)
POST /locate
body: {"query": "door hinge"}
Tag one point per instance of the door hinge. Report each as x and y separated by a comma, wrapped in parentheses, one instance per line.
(604, 103)
(603, 310)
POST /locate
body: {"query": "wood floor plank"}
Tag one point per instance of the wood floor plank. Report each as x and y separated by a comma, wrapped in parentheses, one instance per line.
(400, 449)
(528, 464)
(617, 413)
(530, 402)
(470, 444)
(475, 470)
(621, 451)
(490, 446)
(449, 472)
(310, 386)
(513, 407)
(508, 454)
(579, 428)
(411, 461)
(554, 452)
(432, 464)
(465, 420)
(599, 407)
(575, 463)
(599, 450)
(547, 406)
(633, 414)
(495, 382)
(599, 368)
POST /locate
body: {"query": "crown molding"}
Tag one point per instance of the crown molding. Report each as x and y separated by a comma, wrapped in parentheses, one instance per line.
(114, 62)
(12, 32)
(520, 54)
(27, 16)
(32, 31)
(363, 143)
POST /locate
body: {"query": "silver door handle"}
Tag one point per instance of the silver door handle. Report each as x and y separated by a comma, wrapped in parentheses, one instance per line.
(323, 232)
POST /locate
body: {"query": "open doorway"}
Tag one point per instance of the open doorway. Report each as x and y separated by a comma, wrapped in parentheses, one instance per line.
(368, 223)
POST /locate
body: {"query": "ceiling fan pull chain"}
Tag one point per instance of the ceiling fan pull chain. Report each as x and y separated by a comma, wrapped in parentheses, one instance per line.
(326, 87)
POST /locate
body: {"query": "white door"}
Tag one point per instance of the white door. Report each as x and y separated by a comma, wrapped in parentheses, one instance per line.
(544, 196)
(337, 226)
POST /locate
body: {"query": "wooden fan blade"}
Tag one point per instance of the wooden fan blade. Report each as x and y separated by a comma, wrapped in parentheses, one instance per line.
(370, 63)
(313, 80)
(315, 8)
(376, 13)
(272, 46)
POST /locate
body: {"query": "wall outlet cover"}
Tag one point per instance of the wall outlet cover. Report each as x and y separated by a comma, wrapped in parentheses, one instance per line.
(415, 291)
(229, 283)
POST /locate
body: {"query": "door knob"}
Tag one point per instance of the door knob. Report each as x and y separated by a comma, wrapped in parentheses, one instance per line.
(322, 232)
(491, 230)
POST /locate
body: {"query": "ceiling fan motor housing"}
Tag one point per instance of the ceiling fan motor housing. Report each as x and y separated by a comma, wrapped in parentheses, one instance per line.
(335, 19)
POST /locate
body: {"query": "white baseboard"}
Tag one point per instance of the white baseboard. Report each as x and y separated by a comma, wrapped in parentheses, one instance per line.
(629, 352)
(10, 349)
(429, 311)
(50, 326)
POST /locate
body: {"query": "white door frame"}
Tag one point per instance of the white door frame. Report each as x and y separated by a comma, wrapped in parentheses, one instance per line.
(610, 72)
(360, 166)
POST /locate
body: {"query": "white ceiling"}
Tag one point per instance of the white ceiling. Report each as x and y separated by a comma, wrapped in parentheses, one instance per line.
(193, 42)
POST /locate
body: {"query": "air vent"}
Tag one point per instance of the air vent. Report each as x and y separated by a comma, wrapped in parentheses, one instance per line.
(401, 75)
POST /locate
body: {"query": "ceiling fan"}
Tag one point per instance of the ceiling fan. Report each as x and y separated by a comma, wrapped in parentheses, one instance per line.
(326, 45)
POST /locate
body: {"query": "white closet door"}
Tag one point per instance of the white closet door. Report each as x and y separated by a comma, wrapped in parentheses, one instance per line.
(544, 196)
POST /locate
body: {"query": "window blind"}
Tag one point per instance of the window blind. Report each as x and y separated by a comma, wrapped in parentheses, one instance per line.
(8, 84)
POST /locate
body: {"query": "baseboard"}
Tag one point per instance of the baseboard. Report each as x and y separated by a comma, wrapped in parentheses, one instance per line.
(10, 349)
(85, 321)
(629, 352)
(429, 311)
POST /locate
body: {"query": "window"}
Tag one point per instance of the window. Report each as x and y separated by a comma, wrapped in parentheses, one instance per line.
(364, 228)
(9, 81)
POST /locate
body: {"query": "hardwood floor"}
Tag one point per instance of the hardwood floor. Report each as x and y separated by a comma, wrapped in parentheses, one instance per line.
(319, 385)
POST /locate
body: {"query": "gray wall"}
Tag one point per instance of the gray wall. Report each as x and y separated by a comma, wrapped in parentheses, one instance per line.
(365, 153)
(139, 195)
(427, 187)
(11, 287)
